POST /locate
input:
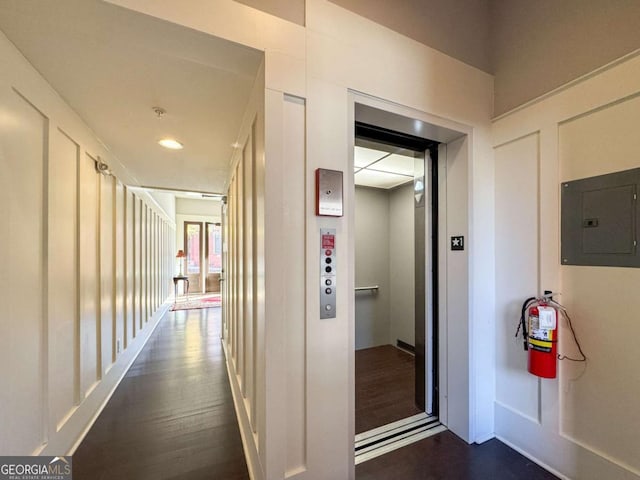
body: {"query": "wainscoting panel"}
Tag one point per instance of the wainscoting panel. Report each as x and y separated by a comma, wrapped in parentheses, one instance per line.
(63, 276)
(89, 261)
(73, 257)
(517, 270)
(119, 270)
(23, 329)
(106, 255)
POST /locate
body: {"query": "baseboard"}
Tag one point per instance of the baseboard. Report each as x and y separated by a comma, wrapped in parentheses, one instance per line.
(67, 439)
(251, 453)
(405, 346)
(535, 460)
(485, 438)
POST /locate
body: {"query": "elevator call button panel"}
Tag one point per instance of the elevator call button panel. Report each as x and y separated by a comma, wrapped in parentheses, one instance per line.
(327, 273)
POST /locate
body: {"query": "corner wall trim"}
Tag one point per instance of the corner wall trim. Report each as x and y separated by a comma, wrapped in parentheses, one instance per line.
(251, 453)
(485, 438)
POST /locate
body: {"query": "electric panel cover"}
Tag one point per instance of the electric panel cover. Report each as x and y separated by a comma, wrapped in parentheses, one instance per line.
(600, 220)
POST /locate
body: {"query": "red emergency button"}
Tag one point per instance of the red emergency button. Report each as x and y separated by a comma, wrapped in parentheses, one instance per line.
(327, 253)
(328, 241)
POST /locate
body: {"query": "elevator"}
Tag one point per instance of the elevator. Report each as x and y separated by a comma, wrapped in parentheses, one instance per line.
(396, 251)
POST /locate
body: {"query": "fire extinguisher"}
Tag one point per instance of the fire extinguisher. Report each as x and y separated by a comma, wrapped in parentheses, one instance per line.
(542, 339)
(539, 324)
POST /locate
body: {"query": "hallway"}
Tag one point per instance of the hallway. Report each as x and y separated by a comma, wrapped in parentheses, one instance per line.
(172, 416)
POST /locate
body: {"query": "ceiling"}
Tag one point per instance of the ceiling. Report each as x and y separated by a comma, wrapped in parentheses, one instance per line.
(383, 169)
(112, 65)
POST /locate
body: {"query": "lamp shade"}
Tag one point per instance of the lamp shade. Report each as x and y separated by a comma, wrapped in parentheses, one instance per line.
(181, 254)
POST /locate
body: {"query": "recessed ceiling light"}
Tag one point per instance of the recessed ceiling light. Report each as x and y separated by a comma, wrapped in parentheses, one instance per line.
(171, 143)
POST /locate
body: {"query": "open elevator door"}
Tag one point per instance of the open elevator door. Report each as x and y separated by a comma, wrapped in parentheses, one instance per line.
(387, 437)
(425, 253)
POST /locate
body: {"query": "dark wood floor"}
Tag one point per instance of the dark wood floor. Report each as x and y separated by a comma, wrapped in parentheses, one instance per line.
(172, 417)
(444, 456)
(385, 385)
(385, 392)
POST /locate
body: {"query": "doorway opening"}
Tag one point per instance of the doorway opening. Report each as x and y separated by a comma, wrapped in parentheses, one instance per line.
(396, 252)
(193, 251)
(440, 147)
(203, 250)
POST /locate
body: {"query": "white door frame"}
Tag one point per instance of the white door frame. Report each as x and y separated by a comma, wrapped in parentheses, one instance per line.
(455, 404)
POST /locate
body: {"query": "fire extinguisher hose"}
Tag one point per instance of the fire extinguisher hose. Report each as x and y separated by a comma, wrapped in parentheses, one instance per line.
(523, 324)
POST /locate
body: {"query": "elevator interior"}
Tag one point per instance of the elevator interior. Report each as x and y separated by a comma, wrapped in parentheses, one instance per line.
(394, 326)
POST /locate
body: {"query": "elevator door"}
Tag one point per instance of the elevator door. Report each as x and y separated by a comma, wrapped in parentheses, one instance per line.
(394, 329)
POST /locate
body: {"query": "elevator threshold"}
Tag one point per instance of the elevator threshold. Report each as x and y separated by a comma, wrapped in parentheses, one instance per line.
(385, 439)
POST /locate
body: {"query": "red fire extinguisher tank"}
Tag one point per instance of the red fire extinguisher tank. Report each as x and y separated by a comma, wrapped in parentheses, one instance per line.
(543, 341)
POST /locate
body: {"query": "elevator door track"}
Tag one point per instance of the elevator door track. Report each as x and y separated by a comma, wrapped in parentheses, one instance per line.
(381, 440)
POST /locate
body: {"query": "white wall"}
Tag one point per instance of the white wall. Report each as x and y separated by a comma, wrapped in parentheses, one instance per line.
(165, 201)
(67, 314)
(372, 314)
(195, 206)
(309, 433)
(402, 264)
(583, 424)
(345, 54)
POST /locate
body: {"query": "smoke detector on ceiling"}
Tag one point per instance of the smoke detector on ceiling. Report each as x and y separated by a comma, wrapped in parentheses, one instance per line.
(159, 111)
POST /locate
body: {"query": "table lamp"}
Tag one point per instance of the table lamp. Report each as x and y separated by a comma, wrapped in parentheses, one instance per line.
(180, 257)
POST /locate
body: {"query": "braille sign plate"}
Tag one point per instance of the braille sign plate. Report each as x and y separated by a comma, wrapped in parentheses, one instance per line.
(457, 243)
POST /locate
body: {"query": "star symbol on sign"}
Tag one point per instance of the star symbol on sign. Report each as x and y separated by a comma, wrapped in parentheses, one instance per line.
(457, 242)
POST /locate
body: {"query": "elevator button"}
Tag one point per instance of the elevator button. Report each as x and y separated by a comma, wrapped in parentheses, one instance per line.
(328, 308)
(327, 260)
(327, 291)
(327, 253)
(328, 281)
(328, 269)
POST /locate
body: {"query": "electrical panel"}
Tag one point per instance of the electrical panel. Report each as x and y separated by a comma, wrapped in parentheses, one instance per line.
(600, 219)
